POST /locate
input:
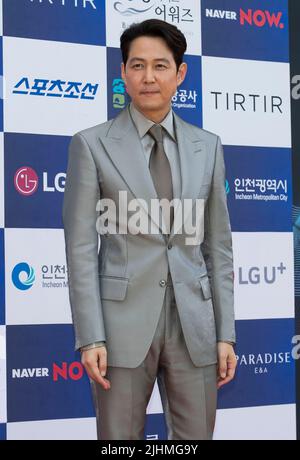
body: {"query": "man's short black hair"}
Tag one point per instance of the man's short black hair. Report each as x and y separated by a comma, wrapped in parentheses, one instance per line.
(173, 37)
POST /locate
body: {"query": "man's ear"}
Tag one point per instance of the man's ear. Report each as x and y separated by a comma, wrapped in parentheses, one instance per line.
(123, 72)
(182, 71)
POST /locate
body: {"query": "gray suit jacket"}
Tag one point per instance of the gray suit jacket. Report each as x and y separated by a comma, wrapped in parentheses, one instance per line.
(115, 292)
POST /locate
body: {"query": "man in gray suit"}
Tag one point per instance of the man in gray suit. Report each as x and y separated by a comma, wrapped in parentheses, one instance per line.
(150, 304)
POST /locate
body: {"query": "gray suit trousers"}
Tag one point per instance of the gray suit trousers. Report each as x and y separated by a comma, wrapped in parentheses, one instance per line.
(188, 393)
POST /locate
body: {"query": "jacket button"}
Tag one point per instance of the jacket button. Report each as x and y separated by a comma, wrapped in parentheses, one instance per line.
(170, 246)
(162, 283)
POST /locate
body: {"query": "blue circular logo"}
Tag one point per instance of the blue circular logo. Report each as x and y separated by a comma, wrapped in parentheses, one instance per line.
(23, 285)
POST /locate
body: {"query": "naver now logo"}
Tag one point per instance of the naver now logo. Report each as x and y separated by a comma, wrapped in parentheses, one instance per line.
(261, 18)
(23, 276)
(249, 17)
(63, 371)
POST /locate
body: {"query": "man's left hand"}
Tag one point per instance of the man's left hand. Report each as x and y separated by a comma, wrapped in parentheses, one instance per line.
(226, 363)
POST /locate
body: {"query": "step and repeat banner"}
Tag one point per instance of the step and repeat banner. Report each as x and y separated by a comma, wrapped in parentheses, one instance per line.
(60, 61)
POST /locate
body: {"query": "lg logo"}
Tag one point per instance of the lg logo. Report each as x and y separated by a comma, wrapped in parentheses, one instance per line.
(67, 371)
(26, 181)
(57, 185)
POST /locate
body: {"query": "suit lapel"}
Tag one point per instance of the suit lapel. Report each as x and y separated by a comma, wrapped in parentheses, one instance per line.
(193, 156)
(123, 145)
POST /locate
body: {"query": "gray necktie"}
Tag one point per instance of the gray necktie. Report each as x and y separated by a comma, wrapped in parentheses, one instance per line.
(160, 169)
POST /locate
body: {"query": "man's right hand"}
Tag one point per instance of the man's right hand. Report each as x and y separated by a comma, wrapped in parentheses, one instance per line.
(95, 364)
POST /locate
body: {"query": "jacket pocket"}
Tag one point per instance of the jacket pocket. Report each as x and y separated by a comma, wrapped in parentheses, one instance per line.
(205, 287)
(113, 288)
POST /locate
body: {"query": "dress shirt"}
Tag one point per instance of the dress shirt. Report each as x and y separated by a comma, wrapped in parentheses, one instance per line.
(142, 125)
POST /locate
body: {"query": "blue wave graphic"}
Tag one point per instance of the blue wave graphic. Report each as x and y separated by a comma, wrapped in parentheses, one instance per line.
(129, 11)
(23, 285)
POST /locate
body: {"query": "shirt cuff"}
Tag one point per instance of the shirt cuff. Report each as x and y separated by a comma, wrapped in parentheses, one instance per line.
(90, 346)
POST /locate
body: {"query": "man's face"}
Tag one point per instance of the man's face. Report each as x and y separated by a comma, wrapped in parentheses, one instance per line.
(151, 75)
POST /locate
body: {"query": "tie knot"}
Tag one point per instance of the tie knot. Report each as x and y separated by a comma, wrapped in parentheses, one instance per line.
(156, 132)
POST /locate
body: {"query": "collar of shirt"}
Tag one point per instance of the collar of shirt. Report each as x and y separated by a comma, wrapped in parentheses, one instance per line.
(143, 124)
